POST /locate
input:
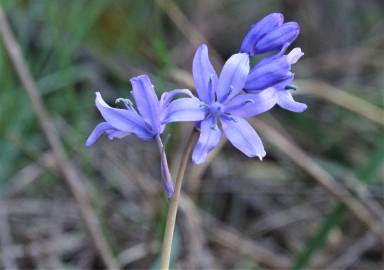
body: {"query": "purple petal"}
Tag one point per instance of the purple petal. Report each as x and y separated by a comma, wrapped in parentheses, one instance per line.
(146, 101)
(260, 29)
(166, 178)
(278, 38)
(124, 120)
(286, 101)
(248, 105)
(167, 97)
(242, 135)
(268, 73)
(233, 76)
(185, 109)
(294, 56)
(210, 135)
(97, 132)
(204, 75)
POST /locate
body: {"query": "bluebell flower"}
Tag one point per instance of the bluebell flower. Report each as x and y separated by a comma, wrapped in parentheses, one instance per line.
(147, 124)
(222, 107)
(275, 72)
(270, 34)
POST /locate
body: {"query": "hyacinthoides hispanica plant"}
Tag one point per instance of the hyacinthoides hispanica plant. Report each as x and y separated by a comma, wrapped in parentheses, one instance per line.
(223, 104)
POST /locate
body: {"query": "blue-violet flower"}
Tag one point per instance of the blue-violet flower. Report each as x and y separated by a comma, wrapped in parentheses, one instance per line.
(223, 106)
(148, 124)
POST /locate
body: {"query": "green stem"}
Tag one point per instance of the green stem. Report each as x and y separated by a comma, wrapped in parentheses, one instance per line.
(172, 212)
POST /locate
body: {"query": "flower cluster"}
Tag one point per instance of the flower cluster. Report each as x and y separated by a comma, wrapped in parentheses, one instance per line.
(224, 101)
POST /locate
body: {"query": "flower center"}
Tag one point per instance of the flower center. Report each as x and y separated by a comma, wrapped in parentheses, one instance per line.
(216, 109)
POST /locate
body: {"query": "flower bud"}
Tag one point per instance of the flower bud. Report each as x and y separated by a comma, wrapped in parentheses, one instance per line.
(269, 34)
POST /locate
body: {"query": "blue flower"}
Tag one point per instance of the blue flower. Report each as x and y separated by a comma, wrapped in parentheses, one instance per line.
(275, 72)
(223, 107)
(147, 124)
(270, 34)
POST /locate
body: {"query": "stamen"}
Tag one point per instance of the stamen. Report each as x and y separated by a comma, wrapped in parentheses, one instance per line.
(249, 101)
(291, 87)
(127, 103)
(210, 83)
(232, 119)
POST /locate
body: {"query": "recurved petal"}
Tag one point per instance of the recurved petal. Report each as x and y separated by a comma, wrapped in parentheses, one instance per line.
(167, 97)
(294, 56)
(242, 135)
(185, 109)
(123, 120)
(286, 101)
(248, 105)
(97, 132)
(204, 75)
(258, 30)
(233, 76)
(210, 135)
(146, 101)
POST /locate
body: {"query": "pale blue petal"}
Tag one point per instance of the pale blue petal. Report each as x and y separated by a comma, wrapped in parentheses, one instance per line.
(97, 132)
(185, 109)
(167, 97)
(233, 76)
(204, 75)
(242, 135)
(146, 101)
(248, 105)
(123, 120)
(210, 135)
(286, 101)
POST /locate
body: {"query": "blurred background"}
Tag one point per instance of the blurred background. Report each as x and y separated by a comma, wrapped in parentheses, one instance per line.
(294, 210)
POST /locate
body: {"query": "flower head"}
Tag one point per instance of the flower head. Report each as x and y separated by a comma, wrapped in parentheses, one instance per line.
(147, 123)
(223, 107)
(270, 34)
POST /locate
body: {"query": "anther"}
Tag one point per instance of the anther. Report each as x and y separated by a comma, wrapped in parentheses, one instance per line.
(249, 101)
(232, 119)
(127, 103)
(214, 127)
(291, 87)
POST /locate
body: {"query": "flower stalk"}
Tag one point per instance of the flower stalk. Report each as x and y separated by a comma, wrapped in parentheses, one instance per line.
(172, 211)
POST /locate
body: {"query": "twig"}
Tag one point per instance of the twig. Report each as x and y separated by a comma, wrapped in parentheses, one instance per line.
(323, 177)
(185, 26)
(29, 174)
(137, 252)
(172, 211)
(67, 169)
(231, 239)
(342, 98)
(353, 252)
(5, 240)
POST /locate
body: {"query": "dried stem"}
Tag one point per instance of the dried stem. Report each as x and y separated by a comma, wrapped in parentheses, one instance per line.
(171, 218)
(70, 173)
(322, 176)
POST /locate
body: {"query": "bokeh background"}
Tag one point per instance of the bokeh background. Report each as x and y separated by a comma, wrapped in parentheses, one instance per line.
(294, 210)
